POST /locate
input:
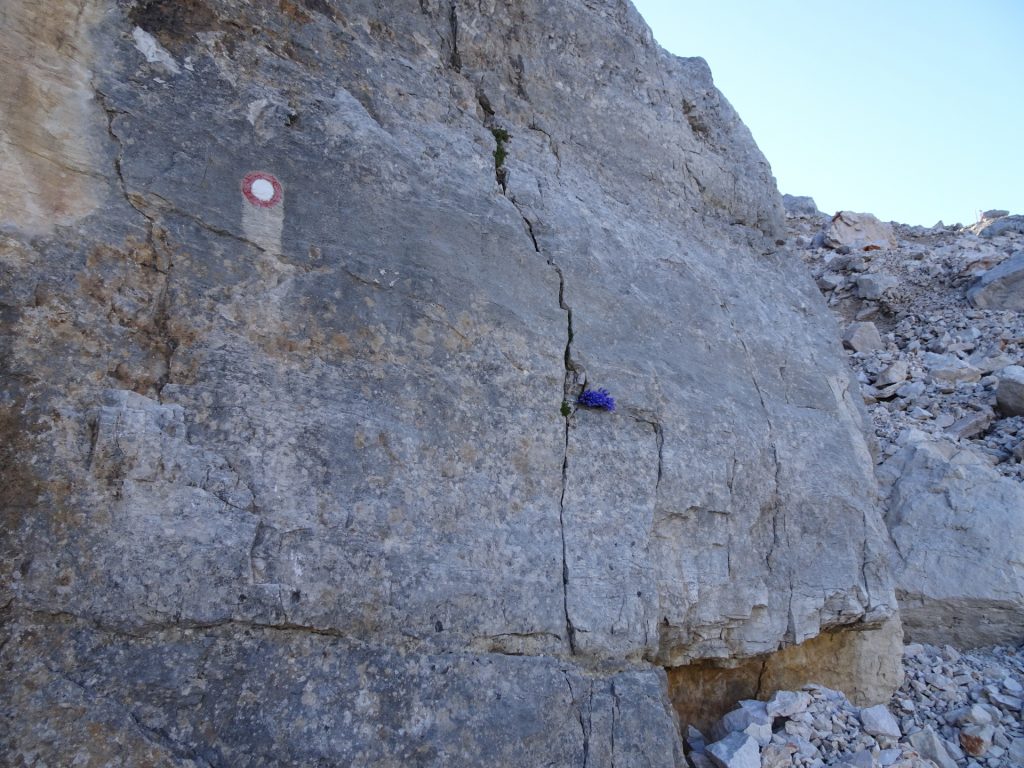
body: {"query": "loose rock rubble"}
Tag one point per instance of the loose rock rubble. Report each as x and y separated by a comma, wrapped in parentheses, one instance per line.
(954, 710)
(933, 321)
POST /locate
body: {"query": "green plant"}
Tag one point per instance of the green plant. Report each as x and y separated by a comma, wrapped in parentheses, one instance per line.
(501, 138)
(566, 409)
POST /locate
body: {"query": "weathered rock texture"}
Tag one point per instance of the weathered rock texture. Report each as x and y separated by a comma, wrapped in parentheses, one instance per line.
(291, 484)
(959, 537)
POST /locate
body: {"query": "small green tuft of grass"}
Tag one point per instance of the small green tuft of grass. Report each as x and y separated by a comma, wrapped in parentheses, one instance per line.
(501, 138)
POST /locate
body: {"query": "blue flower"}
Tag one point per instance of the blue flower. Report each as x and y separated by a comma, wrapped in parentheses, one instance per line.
(596, 398)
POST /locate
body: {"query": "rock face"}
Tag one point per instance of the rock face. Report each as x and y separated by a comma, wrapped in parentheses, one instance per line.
(959, 535)
(297, 301)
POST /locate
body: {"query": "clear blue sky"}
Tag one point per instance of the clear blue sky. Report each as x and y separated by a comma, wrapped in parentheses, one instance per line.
(909, 109)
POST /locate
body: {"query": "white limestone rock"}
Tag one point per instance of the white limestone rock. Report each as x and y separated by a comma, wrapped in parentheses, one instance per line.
(737, 750)
(787, 703)
(878, 721)
(958, 536)
(858, 231)
(862, 337)
(933, 748)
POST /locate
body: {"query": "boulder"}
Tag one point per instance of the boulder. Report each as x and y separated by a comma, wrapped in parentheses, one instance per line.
(749, 714)
(862, 337)
(971, 425)
(950, 368)
(1001, 287)
(958, 535)
(1010, 390)
(976, 739)
(873, 285)
(931, 747)
(787, 703)
(861, 759)
(896, 373)
(878, 721)
(737, 750)
(858, 231)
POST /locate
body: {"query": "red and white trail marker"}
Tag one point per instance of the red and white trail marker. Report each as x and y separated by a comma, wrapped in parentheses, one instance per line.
(262, 190)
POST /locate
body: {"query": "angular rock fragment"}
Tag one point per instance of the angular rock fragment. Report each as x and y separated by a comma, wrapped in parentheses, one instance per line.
(950, 368)
(874, 285)
(894, 374)
(971, 425)
(976, 739)
(750, 712)
(1010, 390)
(737, 750)
(878, 721)
(863, 337)
(932, 747)
(858, 231)
(1002, 287)
(787, 703)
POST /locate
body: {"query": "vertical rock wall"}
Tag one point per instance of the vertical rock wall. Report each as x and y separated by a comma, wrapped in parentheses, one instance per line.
(289, 472)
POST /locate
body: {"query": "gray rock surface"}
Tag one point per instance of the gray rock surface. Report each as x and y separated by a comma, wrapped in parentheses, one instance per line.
(801, 206)
(294, 298)
(1001, 287)
(858, 231)
(959, 538)
(737, 750)
(878, 721)
(1001, 226)
(873, 286)
(862, 337)
(933, 748)
(787, 703)
(1010, 390)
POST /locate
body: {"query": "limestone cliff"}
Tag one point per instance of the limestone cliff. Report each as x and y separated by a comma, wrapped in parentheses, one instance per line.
(298, 298)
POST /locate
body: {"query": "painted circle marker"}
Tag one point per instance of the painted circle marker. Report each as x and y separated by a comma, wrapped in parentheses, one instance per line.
(262, 189)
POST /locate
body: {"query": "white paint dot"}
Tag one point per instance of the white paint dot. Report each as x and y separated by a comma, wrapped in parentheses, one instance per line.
(262, 190)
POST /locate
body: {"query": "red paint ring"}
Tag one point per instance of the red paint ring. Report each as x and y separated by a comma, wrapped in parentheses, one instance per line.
(255, 176)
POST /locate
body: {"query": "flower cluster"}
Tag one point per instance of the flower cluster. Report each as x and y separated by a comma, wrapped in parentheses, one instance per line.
(596, 398)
